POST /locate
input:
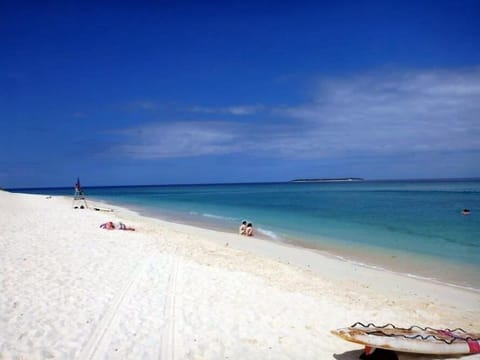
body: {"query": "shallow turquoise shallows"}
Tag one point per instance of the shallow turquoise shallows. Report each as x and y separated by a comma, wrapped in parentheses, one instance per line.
(393, 224)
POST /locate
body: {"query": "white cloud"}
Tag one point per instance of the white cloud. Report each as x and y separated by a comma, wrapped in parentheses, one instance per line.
(232, 110)
(395, 113)
(178, 139)
(374, 114)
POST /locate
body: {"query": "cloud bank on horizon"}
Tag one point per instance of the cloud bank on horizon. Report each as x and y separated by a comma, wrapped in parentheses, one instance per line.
(384, 112)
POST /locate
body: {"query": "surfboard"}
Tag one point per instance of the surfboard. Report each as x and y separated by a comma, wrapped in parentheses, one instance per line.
(414, 339)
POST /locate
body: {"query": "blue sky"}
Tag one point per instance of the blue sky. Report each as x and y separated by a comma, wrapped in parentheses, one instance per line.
(175, 92)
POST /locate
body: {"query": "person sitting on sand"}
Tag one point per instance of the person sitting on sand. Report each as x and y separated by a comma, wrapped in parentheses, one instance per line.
(243, 228)
(120, 226)
(249, 229)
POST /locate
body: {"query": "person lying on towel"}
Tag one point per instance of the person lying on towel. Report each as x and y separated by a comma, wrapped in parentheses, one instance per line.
(119, 226)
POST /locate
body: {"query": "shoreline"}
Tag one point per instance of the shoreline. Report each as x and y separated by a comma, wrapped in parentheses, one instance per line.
(72, 290)
(306, 258)
(395, 261)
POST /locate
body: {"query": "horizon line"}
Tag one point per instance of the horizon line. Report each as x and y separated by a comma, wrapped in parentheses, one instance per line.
(474, 178)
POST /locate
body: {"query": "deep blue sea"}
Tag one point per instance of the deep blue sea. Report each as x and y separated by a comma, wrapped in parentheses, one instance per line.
(414, 227)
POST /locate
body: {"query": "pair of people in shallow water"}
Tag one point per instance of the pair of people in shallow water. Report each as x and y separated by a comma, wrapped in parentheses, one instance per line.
(119, 226)
(246, 229)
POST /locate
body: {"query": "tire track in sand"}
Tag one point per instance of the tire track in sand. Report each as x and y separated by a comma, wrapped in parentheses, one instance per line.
(167, 351)
(96, 346)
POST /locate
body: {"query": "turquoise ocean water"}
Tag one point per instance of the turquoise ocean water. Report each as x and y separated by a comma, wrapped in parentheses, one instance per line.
(413, 227)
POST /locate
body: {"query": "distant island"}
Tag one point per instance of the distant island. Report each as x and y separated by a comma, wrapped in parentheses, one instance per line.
(328, 180)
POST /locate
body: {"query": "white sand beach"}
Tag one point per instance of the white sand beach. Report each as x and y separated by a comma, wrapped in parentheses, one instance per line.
(71, 290)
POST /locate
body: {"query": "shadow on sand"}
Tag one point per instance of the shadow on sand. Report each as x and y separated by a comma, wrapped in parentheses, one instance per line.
(355, 355)
(349, 355)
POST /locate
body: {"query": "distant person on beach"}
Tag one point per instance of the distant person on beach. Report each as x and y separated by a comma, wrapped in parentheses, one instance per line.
(243, 228)
(120, 226)
(249, 230)
(466, 212)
